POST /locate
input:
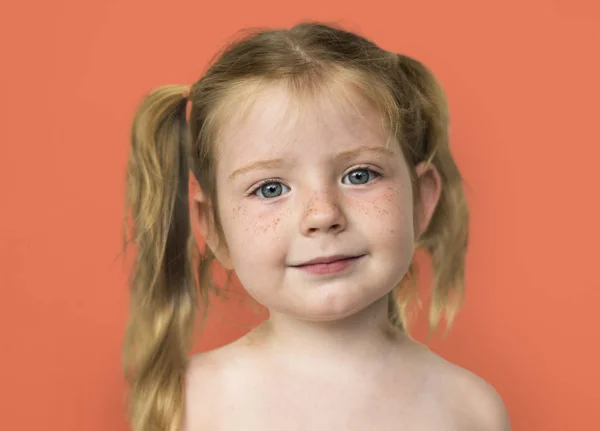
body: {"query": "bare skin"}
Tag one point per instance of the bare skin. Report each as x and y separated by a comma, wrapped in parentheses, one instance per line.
(385, 381)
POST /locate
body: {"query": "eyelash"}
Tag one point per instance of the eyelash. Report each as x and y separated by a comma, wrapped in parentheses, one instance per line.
(375, 173)
(256, 188)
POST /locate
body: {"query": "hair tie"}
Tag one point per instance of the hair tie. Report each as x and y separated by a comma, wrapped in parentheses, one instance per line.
(188, 106)
(186, 92)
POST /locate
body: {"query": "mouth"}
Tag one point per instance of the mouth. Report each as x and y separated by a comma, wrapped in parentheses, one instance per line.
(328, 260)
(329, 265)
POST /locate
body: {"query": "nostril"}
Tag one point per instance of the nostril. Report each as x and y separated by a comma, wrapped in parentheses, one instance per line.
(333, 227)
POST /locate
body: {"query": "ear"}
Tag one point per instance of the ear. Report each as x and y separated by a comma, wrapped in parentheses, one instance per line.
(203, 215)
(430, 188)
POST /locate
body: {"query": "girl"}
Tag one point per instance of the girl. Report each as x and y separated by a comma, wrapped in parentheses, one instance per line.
(322, 163)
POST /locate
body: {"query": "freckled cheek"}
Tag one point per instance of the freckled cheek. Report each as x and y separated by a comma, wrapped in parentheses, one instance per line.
(389, 211)
(256, 239)
(253, 222)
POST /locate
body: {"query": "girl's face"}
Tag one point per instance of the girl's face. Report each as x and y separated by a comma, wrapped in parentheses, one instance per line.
(297, 184)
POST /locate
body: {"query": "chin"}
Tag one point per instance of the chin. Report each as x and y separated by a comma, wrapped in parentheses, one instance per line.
(331, 306)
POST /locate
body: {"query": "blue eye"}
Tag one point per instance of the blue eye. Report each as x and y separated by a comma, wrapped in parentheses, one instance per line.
(270, 190)
(360, 176)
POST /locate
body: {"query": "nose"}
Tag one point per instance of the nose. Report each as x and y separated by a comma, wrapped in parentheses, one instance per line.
(322, 214)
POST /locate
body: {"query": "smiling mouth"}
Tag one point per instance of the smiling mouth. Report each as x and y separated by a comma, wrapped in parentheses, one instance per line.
(327, 260)
(329, 265)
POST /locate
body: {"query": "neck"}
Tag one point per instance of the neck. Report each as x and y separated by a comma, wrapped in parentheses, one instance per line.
(362, 337)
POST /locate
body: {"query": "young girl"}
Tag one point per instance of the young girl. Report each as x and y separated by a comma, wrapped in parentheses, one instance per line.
(322, 163)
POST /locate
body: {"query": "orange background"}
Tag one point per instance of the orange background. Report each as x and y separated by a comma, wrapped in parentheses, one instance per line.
(522, 81)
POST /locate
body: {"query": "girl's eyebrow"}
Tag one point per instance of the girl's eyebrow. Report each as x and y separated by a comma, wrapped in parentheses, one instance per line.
(277, 163)
(350, 154)
(261, 164)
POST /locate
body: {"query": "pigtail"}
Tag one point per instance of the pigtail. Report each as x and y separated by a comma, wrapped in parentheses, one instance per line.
(162, 283)
(425, 130)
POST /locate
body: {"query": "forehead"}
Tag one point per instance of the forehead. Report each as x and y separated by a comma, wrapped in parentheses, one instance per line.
(271, 120)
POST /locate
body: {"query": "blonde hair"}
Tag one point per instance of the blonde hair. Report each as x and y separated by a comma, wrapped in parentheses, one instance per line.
(171, 278)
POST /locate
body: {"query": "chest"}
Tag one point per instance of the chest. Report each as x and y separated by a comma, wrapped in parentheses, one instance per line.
(300, 407)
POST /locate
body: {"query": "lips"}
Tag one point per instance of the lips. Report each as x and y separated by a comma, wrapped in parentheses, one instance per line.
(327, 259)
(329, 265)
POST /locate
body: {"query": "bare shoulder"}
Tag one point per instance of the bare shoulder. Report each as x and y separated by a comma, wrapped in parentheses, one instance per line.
(205, 381)
(481, 406)
(202, 373)
(201, 380)
(474, 402)
(209, 375)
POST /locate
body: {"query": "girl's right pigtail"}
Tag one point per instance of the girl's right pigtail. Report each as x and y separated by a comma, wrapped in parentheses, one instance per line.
(162, 283)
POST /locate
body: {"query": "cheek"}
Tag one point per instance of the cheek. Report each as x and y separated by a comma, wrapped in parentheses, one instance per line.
(257, 248)
(254, 223)
(247, 230)
(389, 211)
